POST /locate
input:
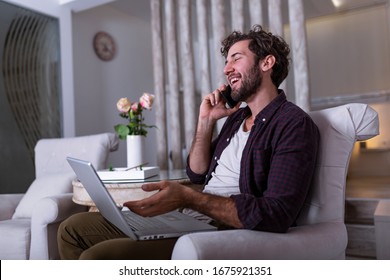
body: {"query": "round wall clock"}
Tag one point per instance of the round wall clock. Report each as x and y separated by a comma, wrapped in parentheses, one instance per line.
(104, 46)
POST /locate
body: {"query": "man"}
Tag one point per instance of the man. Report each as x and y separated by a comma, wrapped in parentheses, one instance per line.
(257, 172)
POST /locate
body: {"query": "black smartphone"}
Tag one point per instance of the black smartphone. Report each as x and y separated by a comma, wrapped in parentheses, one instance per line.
(227, 95)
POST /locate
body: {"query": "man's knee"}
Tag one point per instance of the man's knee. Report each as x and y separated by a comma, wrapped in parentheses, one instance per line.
(67, 226)
(92, 254)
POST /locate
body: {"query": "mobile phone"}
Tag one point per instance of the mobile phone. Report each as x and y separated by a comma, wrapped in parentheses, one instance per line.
(227, 95)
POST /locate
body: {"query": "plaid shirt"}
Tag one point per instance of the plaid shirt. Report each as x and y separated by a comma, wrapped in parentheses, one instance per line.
(277, 164)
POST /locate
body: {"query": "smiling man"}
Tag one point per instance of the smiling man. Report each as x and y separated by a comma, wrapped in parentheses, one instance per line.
(256, 173)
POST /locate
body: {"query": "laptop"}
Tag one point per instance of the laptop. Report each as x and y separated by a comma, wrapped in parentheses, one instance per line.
(168, 225)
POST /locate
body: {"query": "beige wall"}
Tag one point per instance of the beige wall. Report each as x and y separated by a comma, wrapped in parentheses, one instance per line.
(98, 85)
(349, 53)
(349, 61)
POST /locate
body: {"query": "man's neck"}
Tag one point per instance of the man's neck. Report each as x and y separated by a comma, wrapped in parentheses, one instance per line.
(248, 123)
(261, 99)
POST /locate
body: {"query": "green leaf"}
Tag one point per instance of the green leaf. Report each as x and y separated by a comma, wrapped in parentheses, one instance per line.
(122, 131)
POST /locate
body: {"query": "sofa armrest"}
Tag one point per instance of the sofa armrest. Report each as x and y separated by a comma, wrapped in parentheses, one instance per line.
(54, 209)
(319, 241)
(8, 204)
(46, 216)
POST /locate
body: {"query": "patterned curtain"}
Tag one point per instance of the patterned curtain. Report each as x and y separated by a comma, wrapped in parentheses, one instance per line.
(186, 49)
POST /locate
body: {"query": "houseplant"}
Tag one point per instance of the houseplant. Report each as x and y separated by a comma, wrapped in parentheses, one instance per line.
(135, 130)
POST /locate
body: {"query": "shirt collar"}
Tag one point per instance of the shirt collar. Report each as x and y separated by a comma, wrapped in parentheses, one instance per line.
(268, 110)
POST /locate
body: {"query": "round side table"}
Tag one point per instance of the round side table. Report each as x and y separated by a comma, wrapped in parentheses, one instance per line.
(130, 189)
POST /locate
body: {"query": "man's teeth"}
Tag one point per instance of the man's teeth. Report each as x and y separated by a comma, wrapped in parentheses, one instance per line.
(232, 81)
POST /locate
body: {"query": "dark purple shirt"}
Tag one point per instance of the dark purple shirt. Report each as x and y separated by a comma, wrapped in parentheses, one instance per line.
(277, 164)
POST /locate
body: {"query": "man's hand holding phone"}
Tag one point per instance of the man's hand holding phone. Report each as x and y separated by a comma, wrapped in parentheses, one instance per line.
(228, 98)
(213, 105)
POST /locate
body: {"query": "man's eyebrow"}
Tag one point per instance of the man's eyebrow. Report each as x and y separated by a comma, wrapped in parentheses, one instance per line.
(233, 55)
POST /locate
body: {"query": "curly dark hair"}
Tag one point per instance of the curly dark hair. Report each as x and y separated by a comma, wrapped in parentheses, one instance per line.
(262, 44)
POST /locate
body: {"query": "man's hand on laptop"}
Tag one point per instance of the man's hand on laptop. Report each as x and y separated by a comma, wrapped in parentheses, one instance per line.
(170, 196)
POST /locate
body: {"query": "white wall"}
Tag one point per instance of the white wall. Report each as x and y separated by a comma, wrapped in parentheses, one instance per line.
(99, 84)
(48, 7)
(348, 53)
(349, 56)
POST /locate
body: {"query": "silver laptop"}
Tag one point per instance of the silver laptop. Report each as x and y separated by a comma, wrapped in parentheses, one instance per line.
(172, 224)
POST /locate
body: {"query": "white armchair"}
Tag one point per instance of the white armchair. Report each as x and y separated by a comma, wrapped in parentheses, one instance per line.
(29, 222)
(320, 232)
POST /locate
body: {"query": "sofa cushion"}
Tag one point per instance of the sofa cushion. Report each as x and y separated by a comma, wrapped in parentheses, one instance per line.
(15, 239)
(8, 204)
(43, 186)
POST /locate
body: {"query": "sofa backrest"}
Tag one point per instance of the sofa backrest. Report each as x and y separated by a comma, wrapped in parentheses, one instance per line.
(50, 154)
(340, 127)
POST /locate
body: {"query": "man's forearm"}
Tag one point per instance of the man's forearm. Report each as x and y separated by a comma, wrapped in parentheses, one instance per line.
(199, 158)
(221, 209)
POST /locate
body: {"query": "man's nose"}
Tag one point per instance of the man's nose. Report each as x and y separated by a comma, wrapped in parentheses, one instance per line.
(227, 69)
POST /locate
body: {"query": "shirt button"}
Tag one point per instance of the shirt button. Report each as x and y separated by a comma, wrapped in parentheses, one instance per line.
(263, 120)
(227, 140)
(215, 158)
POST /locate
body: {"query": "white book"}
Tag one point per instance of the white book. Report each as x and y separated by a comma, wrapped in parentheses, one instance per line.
(122, 174)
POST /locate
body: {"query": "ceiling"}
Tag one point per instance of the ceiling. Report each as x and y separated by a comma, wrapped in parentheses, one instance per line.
(317, 8)
(312, 8)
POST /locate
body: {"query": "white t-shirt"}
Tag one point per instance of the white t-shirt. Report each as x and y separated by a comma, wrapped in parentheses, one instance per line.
(224, 181)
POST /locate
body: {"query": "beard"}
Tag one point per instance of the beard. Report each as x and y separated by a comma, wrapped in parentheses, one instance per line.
(250, 83)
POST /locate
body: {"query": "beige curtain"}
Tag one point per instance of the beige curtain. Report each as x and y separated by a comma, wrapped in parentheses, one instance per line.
(187, 62)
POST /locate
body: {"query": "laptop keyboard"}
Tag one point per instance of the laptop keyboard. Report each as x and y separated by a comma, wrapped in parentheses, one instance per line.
(142, 223)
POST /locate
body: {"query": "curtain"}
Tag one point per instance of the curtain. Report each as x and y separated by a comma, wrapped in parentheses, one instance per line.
(186, 38)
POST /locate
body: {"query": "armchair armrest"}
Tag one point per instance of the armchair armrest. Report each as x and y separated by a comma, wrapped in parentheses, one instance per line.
(318, 241)
(8, 204)
(47, 215)
(54, 209)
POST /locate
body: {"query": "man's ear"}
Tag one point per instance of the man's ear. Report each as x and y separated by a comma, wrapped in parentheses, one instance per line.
(267, 63)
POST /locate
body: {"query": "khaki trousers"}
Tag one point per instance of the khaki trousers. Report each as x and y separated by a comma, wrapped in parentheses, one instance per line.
(89, 236)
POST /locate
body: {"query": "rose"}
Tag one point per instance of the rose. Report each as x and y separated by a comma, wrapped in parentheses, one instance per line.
(135, 108)
(123, 105)
(146, 100)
